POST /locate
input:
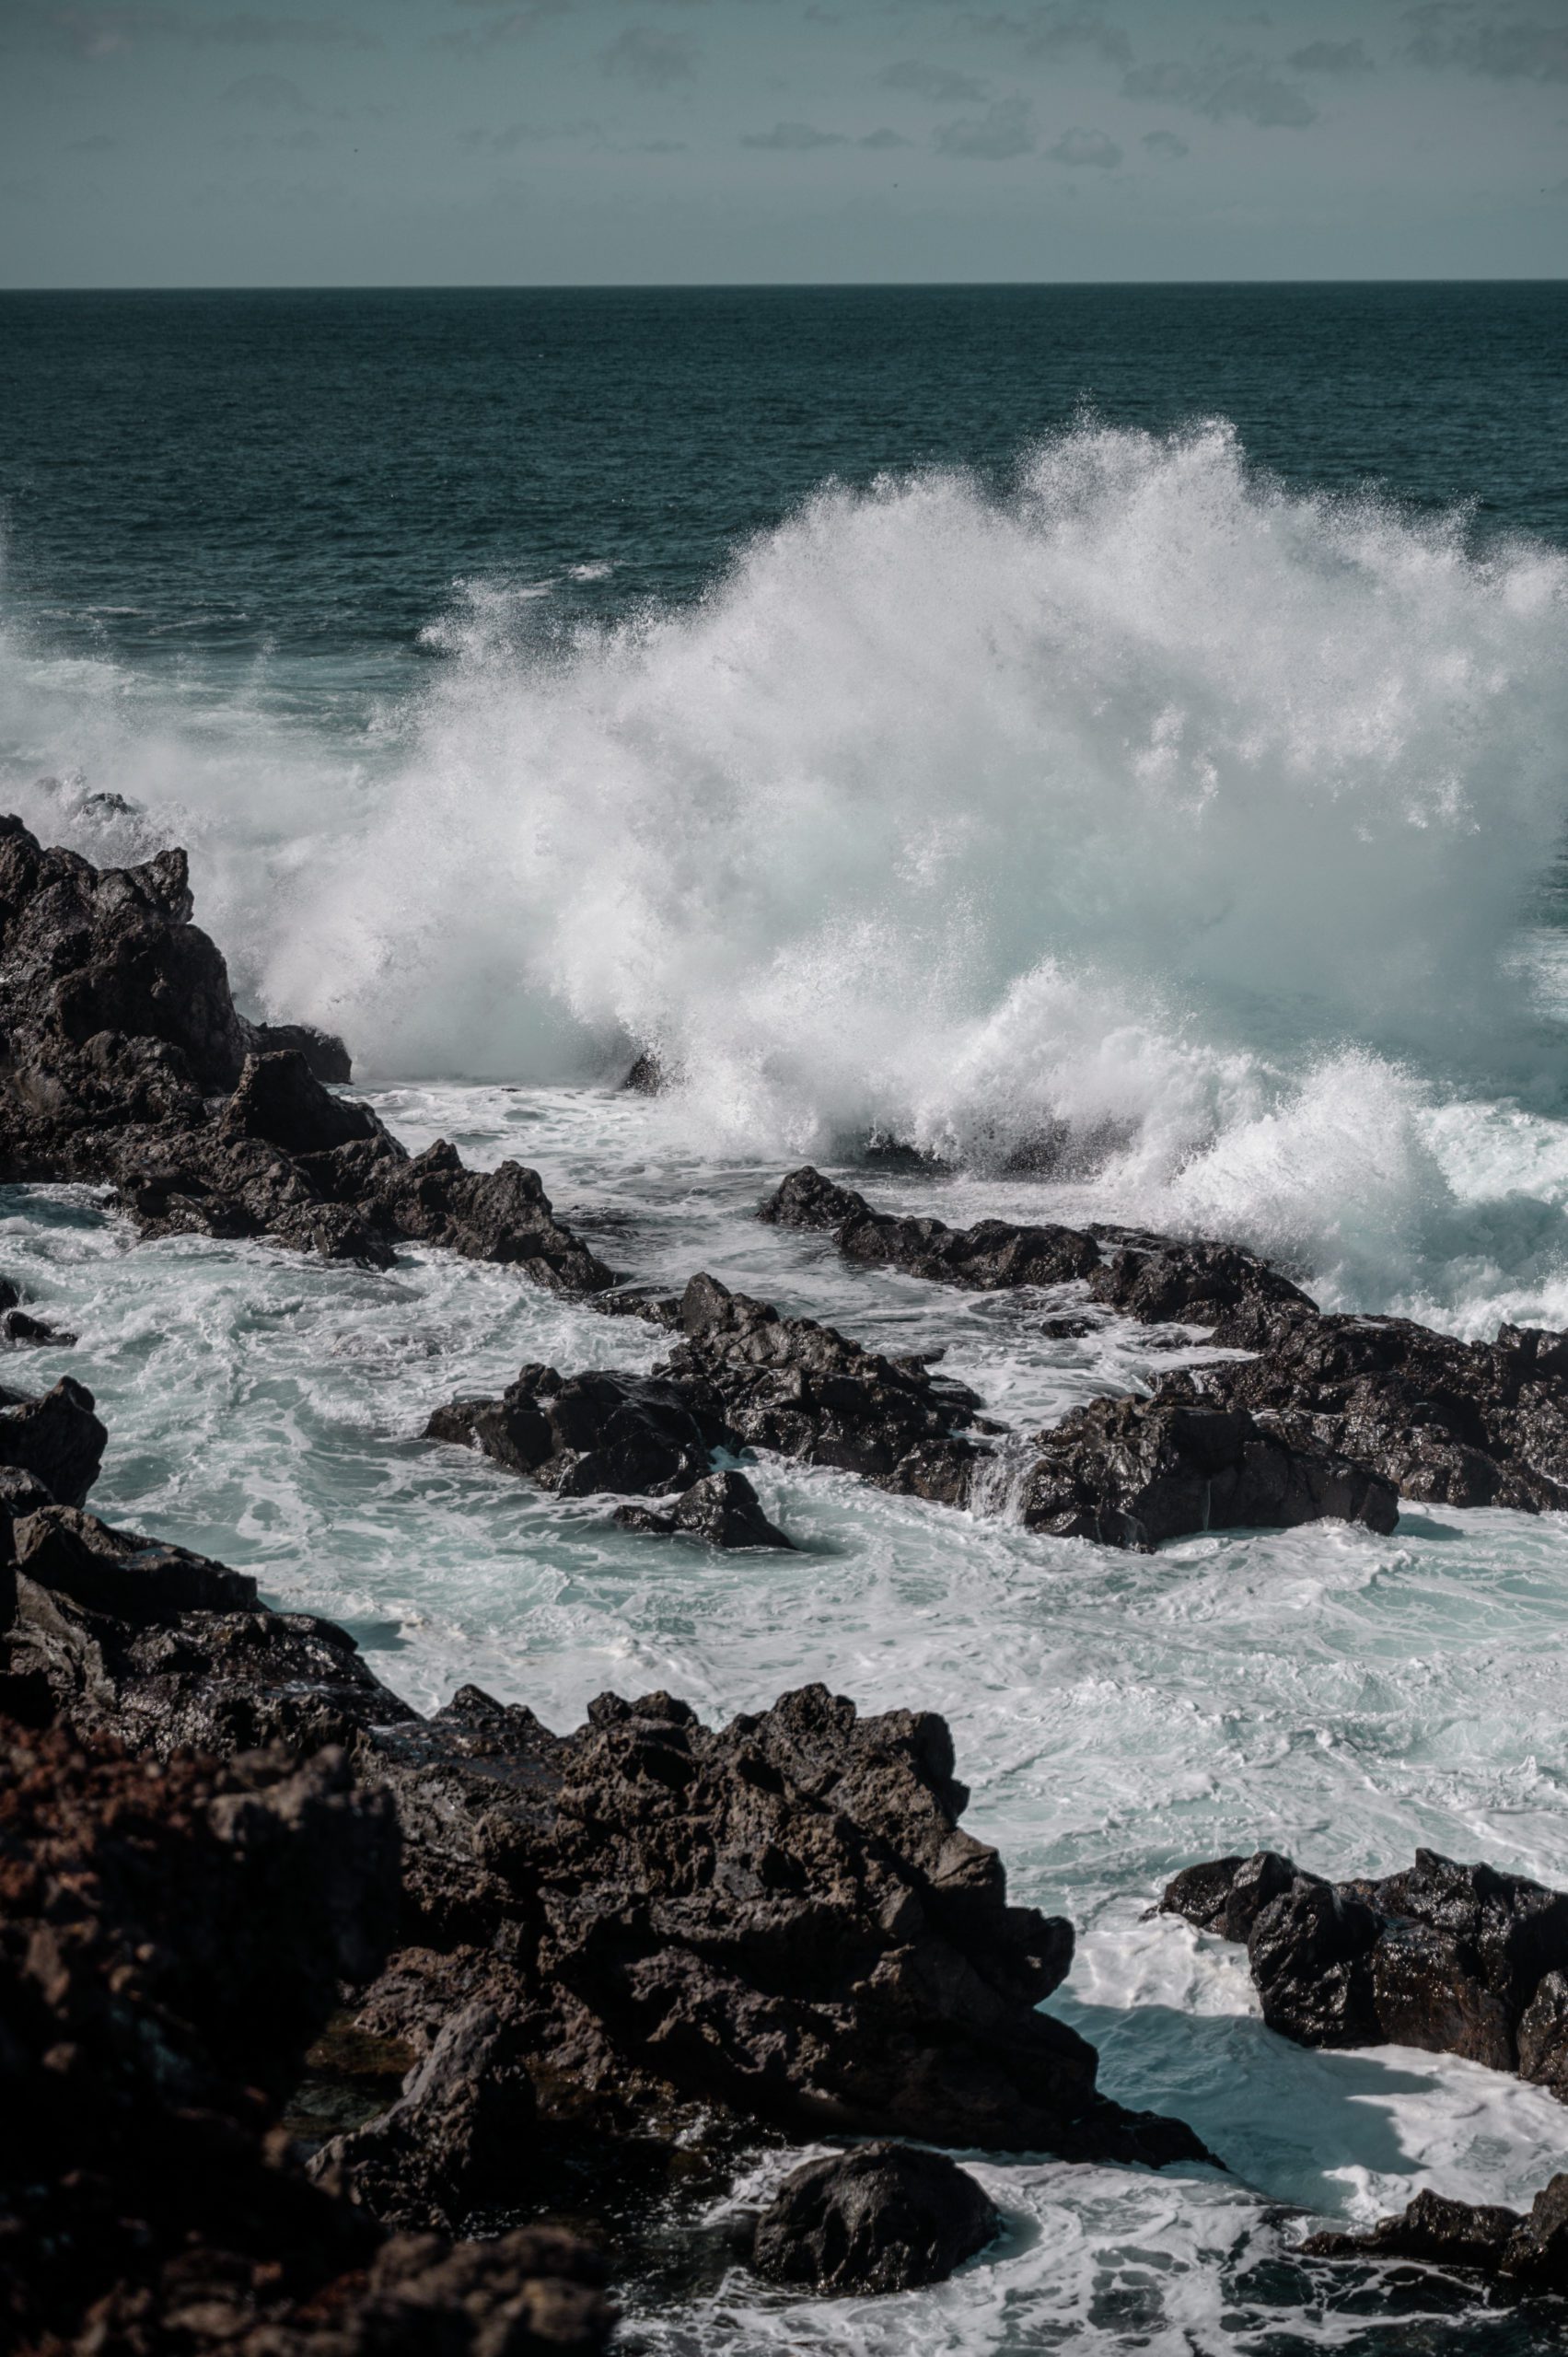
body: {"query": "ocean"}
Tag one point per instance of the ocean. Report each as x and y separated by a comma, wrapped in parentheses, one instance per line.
(1093, 753)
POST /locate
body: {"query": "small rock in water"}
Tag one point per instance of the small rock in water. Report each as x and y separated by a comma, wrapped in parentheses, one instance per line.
(1518, 2253)
(722, 1508)
(885, 2218)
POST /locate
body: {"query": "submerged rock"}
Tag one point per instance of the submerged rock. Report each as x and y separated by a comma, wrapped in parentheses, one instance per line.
(127, 1062)
(885, 2218)
(1134, 1472)
(1454, 1959)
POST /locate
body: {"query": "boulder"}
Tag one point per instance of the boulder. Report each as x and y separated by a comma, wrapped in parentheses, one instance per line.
(1453, 1959)
(1134, 1472)
(57, 1438)
(885, 2218)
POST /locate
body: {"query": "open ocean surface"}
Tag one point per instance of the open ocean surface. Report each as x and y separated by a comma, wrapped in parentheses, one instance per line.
(1114, 740)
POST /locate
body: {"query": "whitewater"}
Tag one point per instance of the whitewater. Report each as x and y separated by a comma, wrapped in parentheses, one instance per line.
(1142, 838)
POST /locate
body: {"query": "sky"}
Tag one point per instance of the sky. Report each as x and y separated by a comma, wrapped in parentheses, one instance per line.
(628, 141)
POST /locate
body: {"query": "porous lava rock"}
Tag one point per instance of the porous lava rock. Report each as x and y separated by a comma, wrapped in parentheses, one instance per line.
(739, 1376)
(1451, 1959)
(123, 1060)
(1520, 2253)
(885, 2218)
(1444, 1422)
(781, 1921)
(1134, 1472)
(722, 1509)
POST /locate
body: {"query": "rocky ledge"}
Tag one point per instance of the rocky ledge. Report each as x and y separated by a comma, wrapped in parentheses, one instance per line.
(123, 1060)
(1454, 1959)
(1130, 1473)
(1520, 2251)
(171, 1941)
(1429, 1418)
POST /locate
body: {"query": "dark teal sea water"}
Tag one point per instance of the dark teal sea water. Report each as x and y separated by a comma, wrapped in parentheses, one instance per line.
(309, 473)
(1127, 721)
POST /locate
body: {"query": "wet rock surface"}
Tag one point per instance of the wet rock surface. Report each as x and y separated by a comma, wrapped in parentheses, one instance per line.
(1441, 1421)
(885, 2218)
(739, 1376)
(124, 1060)
(722, 1509)
(1520, 2253)
(57, 1438)
(1453, 1959)
(1134, 1472)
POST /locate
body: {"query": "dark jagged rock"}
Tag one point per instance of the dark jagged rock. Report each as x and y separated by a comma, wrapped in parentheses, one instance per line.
(1444, 1422)
(123, 1059)
(1521, 2254)
(722, 1509)
(1448, 1422)
(130, 1638)
(629, 1434)
(802, 1388)
(1134, 1472)
(885, 2218)
(322, 1051)
(20, 1326)
(1454, 1959)
(739, 1376)
(986, 1258)
(57, 1438)
(646, 1076)
(780, 1921)
(171, 1939)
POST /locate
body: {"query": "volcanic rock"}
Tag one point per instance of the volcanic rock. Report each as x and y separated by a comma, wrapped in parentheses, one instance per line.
(631, 1434)
(722, 1508)
(1453, 1959)
(125, 1060)
(986, 1258)
(1520, 2254)
(171, 1940)
(57, 1438)
(1132, 1473)
(884, 2218)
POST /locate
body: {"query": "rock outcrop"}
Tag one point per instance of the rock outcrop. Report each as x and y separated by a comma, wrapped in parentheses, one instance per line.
(1134, 1472)
(1521, 2252)
(739, 1376)
(57, 1438)
(171, 1940)
(884, 2218)
(123, 1060)
(1454, 1959)
(722, 1509)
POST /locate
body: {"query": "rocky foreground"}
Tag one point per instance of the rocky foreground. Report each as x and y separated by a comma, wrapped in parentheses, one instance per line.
(515, 1976)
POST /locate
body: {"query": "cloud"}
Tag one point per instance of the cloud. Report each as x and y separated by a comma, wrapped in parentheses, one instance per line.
(1235, 86)
(275, 92)
(517, 24)
(883, 138)
(793, 138)
(1005, 129)
(93, 33)
(528, 135)
(939, 82)
(1085, 147)
(99, 145)
(654, 59)
(1331, 57)
(1165, 143)
(1518, 50)
(1061, 31)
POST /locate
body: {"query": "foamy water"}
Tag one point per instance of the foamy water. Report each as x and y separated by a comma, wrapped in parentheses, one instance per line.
(1188, 839)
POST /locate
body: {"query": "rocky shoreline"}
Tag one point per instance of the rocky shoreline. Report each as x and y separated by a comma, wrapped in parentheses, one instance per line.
(235, 1867)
